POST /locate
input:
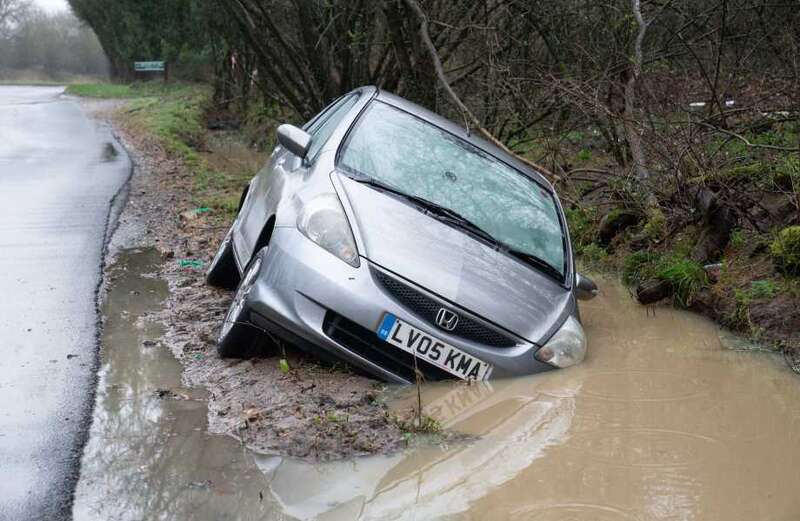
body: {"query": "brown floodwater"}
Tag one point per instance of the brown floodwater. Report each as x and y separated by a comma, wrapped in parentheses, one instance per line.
(149, 456)
(661, 422)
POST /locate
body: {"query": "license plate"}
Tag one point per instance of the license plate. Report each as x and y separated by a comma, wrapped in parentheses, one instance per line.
(441, 354)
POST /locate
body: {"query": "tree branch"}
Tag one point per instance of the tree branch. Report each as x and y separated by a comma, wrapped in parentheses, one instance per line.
(467, 114)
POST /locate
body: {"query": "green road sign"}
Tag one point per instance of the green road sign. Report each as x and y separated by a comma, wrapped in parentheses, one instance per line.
(150, 66)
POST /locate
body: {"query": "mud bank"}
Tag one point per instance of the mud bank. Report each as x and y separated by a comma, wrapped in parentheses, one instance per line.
(311, 411)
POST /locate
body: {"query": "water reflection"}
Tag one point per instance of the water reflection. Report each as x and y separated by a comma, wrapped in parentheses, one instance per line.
(660, 423)
(149, 456)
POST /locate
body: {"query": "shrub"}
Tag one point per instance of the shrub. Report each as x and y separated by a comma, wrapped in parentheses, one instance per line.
(656, 224)
(639, 266)
(686, 276)
(593, 256)
(582, 227)
(763, 289)
(737, 239)
(786, 251)
(786, 175)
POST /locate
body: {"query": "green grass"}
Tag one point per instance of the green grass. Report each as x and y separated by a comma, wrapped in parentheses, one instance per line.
(101, 90)
(130, 90)
(177, 119)
(582, 224)
(639, 266)
(174, 114)
(737, 239)
(785, 251)
(34, 83)
(686, 276)
(763, 289)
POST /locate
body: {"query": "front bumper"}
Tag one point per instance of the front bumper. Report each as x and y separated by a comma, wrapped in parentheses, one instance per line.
(300, 284)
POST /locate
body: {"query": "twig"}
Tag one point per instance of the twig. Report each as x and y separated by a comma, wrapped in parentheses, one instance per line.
(466, 113)
(745, 140)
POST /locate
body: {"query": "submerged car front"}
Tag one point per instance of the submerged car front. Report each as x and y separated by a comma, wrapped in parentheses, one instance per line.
(430, 253)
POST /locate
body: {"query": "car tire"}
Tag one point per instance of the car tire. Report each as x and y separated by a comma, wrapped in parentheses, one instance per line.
(238, 337)
(223, 273)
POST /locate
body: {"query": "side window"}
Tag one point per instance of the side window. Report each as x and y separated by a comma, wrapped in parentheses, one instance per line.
(317, 120)
(322, 128)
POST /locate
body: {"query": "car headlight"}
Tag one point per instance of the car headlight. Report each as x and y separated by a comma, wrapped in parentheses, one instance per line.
(567, 347)
(324, 222)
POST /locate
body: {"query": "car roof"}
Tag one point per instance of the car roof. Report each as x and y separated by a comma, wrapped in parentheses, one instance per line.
(457, 130)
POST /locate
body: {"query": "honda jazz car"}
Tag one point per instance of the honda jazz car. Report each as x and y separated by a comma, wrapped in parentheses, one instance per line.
(386, 236)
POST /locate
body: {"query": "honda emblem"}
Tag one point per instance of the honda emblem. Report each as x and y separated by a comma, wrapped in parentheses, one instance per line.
(446, 319)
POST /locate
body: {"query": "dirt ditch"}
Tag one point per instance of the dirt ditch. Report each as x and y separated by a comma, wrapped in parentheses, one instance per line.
(310, 411)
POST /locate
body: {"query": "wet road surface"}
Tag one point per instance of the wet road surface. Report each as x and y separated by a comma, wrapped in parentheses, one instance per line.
(661, 422)
(59, 173)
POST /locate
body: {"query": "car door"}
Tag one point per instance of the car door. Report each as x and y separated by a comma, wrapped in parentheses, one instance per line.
(280, 177)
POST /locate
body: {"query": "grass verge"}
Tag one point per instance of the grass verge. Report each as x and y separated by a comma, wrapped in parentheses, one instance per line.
(175, 116)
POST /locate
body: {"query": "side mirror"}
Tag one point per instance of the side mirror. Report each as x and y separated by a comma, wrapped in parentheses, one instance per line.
(295, 140)
(585, 288)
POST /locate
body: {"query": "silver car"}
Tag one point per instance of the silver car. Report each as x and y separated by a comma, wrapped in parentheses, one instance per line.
(391, 238)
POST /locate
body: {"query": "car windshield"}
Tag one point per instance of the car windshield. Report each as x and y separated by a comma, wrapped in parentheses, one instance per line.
(417, 158)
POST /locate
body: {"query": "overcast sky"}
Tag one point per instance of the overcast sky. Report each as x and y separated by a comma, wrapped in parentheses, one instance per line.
(51, 5)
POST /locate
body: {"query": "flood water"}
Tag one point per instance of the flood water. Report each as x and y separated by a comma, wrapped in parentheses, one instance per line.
(149, 456)
(660, 423)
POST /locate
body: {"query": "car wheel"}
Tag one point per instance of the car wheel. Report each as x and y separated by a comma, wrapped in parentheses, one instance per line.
(238, 338)
(223, 272)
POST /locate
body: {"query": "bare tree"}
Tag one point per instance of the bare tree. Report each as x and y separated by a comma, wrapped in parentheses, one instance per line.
(10, 13)
(469, 117)
(631, 132)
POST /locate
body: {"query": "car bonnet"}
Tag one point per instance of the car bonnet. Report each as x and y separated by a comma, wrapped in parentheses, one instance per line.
(455, 266)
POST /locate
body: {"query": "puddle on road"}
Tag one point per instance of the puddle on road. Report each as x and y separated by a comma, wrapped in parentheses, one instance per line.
(659, 423)
(149, 456)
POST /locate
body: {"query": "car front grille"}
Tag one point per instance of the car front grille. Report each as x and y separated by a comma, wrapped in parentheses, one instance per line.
(426, 308)
(366, 344)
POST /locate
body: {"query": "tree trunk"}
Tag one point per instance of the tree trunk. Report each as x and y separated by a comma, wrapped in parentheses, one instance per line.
(629, 113)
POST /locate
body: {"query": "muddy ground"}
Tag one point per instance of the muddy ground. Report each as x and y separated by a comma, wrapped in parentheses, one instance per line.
(311, 411)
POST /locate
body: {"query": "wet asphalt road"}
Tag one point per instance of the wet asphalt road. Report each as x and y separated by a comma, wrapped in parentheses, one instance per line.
(60, 175)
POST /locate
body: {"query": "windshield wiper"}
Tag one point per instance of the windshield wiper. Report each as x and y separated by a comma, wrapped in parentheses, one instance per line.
(454, 218)
(535, 261)
(438, 211)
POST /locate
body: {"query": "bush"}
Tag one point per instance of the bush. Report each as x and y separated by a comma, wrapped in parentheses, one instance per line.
(686, 276)
(786, 251)
(787, 174)
(656, 224)
(639, 266)
(593, 256)
(737, 239)
(582, 227)
(763, 289)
